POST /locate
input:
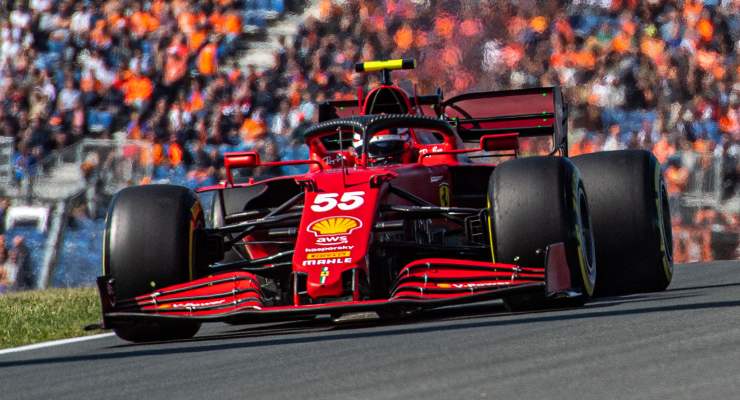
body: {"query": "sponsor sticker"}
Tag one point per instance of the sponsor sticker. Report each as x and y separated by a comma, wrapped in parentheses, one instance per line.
(200, 304)
(334, 248)
(331, 240)
(327, 201)
(470, 285)
(327, 261)
(328, 254)
(329, 226)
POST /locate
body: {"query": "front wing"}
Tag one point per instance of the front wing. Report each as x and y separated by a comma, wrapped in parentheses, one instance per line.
(427, 283)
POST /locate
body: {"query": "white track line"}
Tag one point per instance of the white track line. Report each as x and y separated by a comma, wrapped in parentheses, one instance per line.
(55, 343)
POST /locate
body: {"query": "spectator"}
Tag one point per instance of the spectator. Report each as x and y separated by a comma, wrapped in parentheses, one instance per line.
(613, 141)
(7, 270)
(4, 205)
(68, 97)
(20, 257)
(676, 180)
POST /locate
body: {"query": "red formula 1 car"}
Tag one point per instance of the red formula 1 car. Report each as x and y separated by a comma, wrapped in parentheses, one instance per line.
(402, 208)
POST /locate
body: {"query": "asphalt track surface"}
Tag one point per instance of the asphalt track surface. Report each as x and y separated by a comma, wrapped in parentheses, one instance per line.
(683, 343)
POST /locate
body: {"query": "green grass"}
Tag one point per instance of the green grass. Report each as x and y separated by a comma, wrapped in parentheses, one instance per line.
(41, 315)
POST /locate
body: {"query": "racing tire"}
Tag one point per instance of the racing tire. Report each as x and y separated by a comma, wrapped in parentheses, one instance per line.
(149, 244)
(535, 202)
(631, 221)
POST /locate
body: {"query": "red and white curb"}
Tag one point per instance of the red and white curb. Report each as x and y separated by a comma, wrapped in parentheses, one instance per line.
(53, 343)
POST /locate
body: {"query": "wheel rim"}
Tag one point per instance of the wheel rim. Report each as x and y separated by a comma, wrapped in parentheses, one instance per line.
(664, 230)
(586, 248)
(667, 234)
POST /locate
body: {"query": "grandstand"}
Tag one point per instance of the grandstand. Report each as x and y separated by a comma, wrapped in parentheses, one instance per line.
(98, 95)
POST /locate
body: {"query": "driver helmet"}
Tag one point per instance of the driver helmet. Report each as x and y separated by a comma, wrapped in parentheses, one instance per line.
(384, 145)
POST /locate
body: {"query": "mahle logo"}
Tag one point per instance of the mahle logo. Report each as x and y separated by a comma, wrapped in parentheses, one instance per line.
(331, 226)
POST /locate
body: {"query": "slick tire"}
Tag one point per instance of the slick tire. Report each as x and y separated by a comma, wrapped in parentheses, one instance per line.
(149, 244)
(631, 221)
(534, 202)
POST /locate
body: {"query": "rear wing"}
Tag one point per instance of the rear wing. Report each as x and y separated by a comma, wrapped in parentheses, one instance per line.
(528, 112)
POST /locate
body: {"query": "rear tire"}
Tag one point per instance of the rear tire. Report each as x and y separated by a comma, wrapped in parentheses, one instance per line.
(533, 203)
(631, 221)
(149, 244)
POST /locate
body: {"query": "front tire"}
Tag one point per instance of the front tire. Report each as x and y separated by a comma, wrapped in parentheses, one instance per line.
(149, 244)
(533, 203)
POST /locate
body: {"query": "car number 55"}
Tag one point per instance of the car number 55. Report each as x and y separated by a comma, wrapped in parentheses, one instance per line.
(327, 201)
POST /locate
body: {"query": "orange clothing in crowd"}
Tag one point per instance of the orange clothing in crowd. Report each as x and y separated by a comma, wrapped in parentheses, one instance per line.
(562, 26)
(584, 59)
(157, 154)
(252, 130)
(88, 83)
(622, 42)
(707, 59)
(176, 62)
(134, 132)
(137, 88)
(196, 102)
(676, 179)
(404, 37)
(692, 11)
(207, 60)
(196, 39)
(705, 29)
(174, 154)
(187, 22)
(652, 48)
(730, 122)
(157, 9)
(99, 36)
(146, 158)
(234, 75)
(583, 146)
(116, 21)
(538, 24)
(231, 24)
(680, 244)
(663, 149)
(142, 23)
(444, 26)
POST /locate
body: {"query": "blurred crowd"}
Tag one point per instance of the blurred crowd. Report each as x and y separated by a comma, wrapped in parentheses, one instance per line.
(662, 75)
(161, 71)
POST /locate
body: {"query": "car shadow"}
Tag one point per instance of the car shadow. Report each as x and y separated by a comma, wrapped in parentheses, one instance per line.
(715, 286)
(275, 336)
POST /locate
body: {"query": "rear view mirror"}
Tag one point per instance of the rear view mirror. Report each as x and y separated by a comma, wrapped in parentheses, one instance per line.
(246, 159)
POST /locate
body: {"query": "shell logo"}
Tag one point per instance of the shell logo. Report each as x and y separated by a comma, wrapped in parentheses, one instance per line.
(334, 226)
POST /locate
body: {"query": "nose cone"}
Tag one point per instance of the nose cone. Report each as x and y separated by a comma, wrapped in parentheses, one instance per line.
(335, 231)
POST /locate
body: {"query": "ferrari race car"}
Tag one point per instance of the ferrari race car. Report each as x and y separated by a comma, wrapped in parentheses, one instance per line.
(402, 208)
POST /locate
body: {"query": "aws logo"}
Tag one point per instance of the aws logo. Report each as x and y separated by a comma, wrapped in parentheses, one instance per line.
(331, 226)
